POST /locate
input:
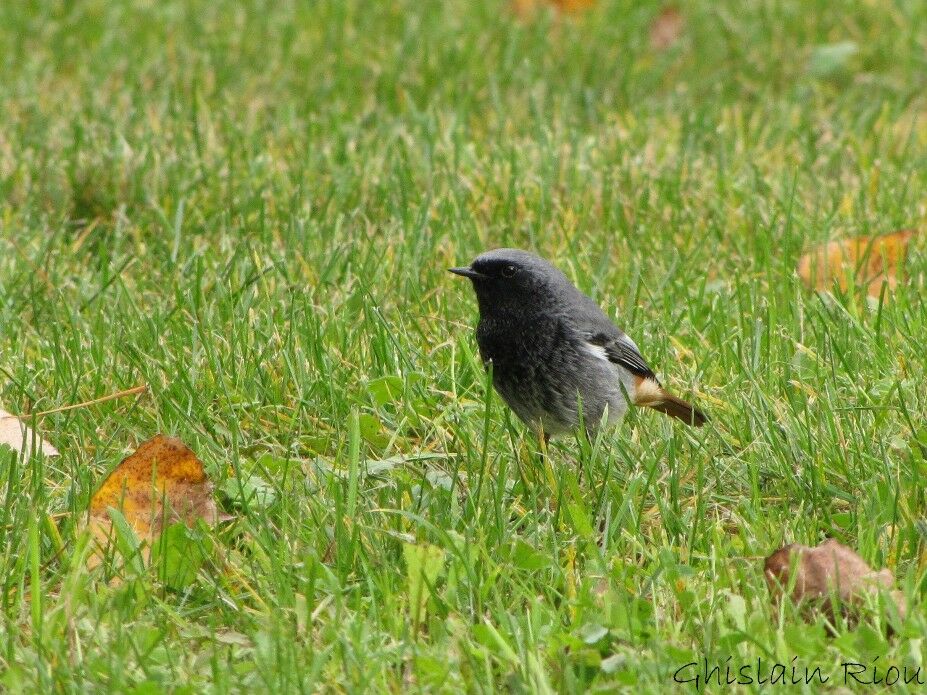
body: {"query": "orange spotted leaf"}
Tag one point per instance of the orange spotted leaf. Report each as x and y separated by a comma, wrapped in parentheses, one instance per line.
(866, 261)
(162, 483)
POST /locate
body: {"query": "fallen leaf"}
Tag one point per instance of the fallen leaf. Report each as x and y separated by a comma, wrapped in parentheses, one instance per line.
(831, 570)
(869, 261)
(572, 6)
(15, 434)
(526, 8)
(162, 483)
(19, 437)
(666, 29)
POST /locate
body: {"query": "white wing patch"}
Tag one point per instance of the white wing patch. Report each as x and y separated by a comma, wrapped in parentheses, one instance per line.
(597, 351)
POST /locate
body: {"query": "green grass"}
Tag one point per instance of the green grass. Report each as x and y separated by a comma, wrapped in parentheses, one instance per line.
(250, 206)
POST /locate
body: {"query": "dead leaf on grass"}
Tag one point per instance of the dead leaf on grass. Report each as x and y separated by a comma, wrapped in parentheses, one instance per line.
(868, 261)
(666, 29)
(162, 483)
(830, 570)
(527, 8)
(19, 437)
(572, 6)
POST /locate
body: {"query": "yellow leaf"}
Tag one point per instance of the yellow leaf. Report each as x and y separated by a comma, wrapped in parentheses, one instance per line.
(162, 483)
(571, 6)
(867, 261)
(526, 8)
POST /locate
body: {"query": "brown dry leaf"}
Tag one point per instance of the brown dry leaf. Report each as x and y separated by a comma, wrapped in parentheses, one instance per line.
(526, 8)
(869, 261)
(162, 483)
(572, 6)
(830, 569)
(666, 28)
(19, 437)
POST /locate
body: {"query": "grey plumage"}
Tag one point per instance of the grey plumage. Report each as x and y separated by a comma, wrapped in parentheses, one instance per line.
(552, 348)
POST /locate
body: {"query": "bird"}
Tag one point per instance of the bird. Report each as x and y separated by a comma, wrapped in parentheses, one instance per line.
(557, 359)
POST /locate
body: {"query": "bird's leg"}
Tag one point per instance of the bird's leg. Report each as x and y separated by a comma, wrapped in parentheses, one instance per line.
(584, 438)
(543, 440)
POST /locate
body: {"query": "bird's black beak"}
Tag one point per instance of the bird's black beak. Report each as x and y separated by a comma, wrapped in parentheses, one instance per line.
(467, 273)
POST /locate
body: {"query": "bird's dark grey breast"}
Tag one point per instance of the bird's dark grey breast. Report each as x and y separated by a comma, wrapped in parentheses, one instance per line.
(533, 358)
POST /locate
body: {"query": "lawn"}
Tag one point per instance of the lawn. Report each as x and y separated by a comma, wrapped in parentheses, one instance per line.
(251, 206)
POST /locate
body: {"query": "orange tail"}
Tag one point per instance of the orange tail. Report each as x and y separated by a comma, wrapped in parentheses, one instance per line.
(651, 395)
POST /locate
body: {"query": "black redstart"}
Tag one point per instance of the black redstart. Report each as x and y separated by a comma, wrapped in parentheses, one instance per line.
(553, 350)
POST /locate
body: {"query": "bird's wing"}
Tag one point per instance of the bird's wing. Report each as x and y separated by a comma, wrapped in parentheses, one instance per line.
(606, 340)
(621, 350)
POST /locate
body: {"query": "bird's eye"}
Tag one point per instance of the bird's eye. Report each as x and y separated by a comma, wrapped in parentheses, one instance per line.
(509, 271)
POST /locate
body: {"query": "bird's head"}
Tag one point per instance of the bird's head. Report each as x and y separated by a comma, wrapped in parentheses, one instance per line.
(513, 278)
